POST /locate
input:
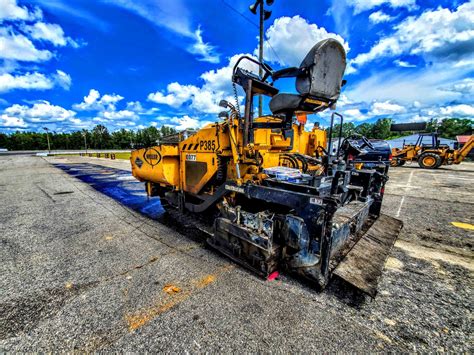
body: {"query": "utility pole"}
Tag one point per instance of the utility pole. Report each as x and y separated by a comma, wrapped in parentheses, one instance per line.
(47, 138)
(264, 15)
(84, 133)
(260, 58)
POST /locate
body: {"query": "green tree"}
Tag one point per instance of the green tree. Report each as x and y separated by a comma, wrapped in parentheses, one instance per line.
(3, 140)
(167, 130)
(348, 128)
(122, 139)
(76, 140)
(364, 129)
(148, 136)
(452, 127)
(432, 125)
(381, 128)
(100, 137)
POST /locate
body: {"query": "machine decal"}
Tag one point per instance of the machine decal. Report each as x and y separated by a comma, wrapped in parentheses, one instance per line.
(207, 145)
(138, 162)
(152, 156)
(191, 157)
(316, 201)
(235, 188)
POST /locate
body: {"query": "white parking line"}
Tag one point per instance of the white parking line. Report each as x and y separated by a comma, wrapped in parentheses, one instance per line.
(409, 179)
(400, 207)
(408, 186)
(458, 177)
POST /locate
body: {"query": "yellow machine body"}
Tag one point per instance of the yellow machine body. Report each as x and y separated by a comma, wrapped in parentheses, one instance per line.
(191, 163)
(266, 192)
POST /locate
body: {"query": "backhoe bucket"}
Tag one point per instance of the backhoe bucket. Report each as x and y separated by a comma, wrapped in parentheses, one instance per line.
(363, 264)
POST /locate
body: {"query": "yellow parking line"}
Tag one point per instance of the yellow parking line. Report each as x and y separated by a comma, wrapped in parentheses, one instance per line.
(463, 225)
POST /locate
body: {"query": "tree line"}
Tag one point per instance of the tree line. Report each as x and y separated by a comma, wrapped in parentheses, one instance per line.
(97, 138)
(446, 128)
(100, 138)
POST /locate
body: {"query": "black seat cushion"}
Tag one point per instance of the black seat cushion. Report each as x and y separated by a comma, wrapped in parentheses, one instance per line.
(285, 102)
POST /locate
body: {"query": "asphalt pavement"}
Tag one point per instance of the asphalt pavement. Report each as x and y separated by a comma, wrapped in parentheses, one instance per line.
(82, 270)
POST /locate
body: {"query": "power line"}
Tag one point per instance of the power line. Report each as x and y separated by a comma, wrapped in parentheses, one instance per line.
(253, 23)
(239, 13)
(273, 50)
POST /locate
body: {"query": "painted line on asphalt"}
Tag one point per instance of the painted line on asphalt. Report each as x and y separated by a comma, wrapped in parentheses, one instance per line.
(400, 207)
(408, 186)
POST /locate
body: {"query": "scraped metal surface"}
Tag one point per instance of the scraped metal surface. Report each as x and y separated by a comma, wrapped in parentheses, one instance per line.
(363, 265)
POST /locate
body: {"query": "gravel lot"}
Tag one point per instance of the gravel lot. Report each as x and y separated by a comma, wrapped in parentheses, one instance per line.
(81, 272)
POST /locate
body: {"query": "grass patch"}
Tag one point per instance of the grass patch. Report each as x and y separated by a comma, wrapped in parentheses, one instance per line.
(123, 155)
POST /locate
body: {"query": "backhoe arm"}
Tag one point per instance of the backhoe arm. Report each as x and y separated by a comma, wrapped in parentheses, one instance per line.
(461, 153)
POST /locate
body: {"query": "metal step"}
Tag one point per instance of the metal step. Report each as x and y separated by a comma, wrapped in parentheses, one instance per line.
(363, 265)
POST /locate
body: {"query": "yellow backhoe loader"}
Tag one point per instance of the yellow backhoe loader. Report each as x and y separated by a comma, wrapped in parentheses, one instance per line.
(432, 155)
(266, 191)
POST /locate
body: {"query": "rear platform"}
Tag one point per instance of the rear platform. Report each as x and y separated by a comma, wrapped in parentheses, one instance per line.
(363, 265)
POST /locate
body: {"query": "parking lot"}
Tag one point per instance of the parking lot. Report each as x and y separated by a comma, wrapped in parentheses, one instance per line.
(83, 271)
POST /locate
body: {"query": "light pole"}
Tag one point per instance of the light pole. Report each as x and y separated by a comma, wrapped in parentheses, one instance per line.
(101, 129)
(84, 133)
(47, 138)
(264, 15)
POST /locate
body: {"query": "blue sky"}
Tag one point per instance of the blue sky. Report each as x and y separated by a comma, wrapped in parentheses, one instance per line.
(69, 65)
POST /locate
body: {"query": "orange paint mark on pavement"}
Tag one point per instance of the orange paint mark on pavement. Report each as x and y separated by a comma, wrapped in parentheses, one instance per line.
(176, 295)
(206, 280)
(170, 289)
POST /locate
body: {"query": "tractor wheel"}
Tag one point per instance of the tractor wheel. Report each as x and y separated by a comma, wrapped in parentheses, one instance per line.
(401, 162)
(429, 160)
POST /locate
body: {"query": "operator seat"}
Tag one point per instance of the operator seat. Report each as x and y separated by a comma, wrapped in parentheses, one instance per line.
(318, 80)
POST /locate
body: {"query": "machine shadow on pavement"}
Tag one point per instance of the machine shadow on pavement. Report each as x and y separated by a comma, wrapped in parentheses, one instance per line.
(120, 186)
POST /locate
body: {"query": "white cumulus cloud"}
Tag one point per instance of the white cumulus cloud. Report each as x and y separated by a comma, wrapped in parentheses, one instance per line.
(106, 107)
(465, 86)
(94, 101)
(217, 86)
(386, 108)
(18, 47)
(185, 122)
(462, 110)
(119, 115)
(40, 112)
(379, 17)
(403, 64)
(135, 106)
(7, 121)
(34, 81)
(426, 85)
(353, 115)
(440, 34)
(292, 38)
(10, 10)
(50, 32)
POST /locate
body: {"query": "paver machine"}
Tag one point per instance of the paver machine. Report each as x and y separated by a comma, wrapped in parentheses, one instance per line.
(265, 189)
